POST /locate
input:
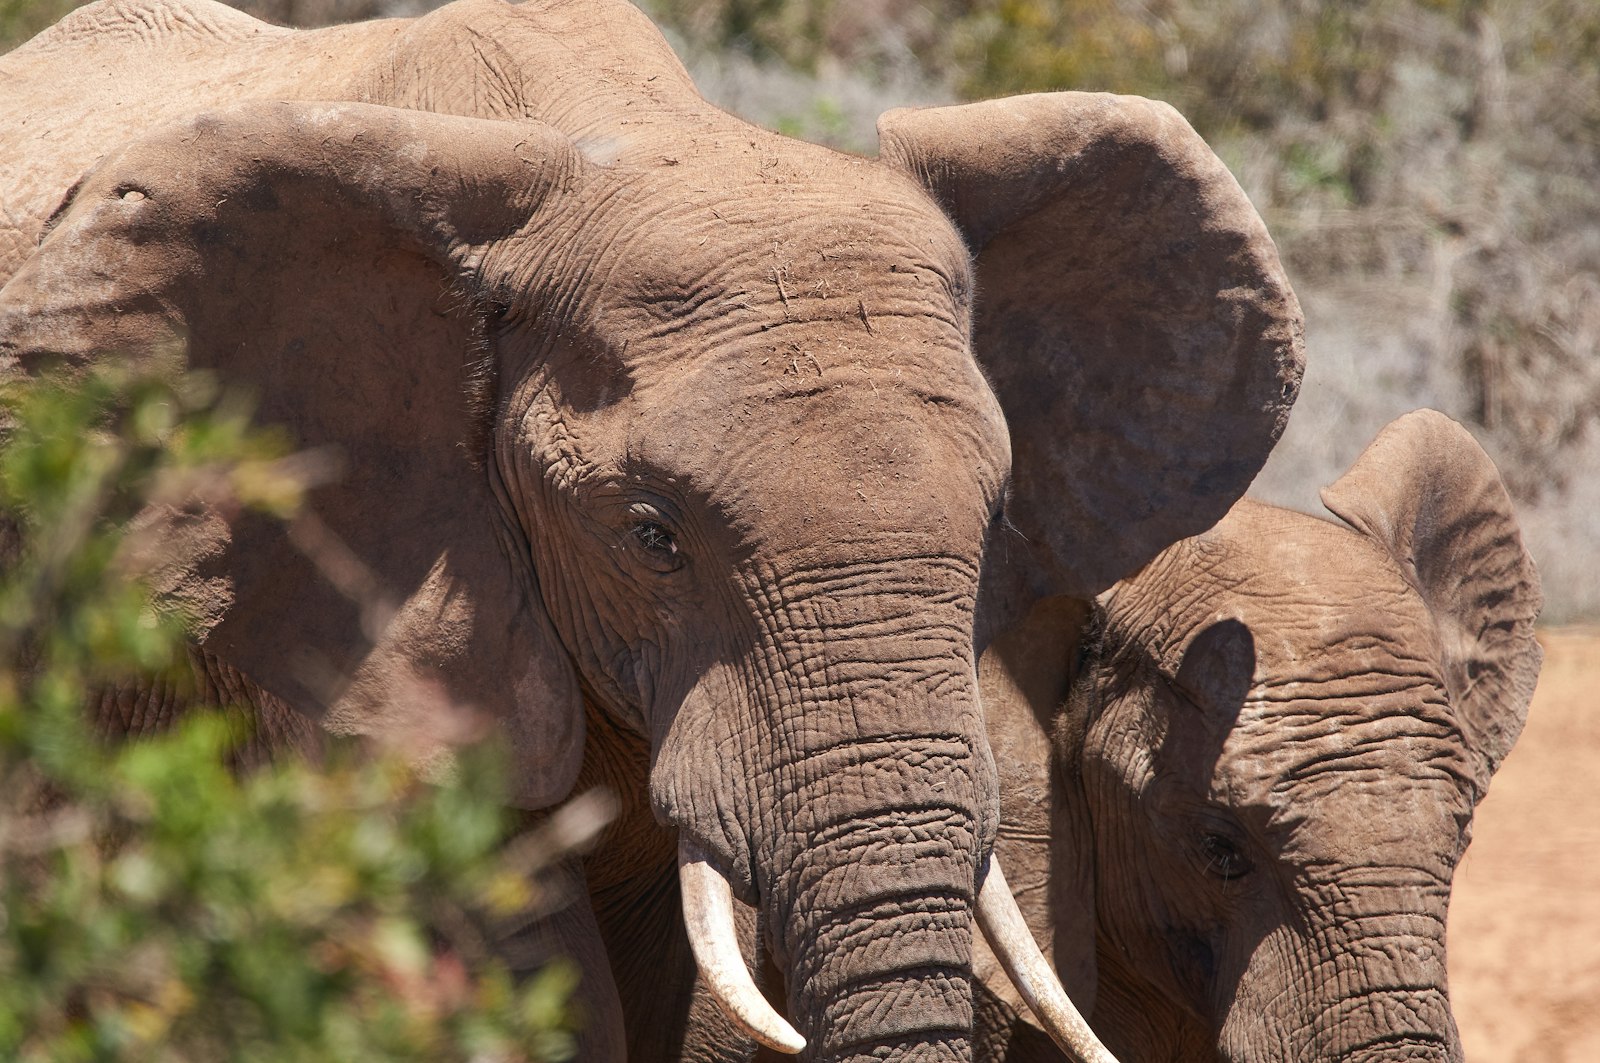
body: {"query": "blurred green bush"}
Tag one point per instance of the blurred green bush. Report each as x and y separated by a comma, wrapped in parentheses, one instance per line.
(156, 905)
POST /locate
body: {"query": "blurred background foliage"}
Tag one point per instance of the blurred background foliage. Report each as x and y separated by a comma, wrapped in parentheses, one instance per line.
(1429, 168)
(156, 905)
(21, 19)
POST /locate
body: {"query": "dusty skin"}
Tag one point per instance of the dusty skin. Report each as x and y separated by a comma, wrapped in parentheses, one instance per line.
(678, 448)
(1525, 917)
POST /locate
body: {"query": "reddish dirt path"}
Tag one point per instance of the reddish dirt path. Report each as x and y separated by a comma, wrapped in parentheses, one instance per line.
(1524, 940)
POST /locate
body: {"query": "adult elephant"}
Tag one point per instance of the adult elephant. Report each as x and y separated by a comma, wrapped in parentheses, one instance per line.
(1239, 833)
(677, 446)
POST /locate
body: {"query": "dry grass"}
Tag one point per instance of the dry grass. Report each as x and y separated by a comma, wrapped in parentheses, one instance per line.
(1525, 919)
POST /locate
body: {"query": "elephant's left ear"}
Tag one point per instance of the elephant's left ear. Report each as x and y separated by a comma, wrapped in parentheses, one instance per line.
(1429, 494)
(1132, 317)
(328, 259)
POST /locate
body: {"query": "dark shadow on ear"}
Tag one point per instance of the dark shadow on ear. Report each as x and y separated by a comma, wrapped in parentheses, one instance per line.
(1072, 852)
(1132, 318)
(1214, 677)
(314, 256)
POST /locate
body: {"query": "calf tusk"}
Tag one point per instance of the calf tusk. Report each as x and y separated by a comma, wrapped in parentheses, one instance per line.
(708, 913)
(1012, 942)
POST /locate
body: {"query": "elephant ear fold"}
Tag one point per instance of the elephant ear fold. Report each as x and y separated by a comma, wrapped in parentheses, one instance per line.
(1428, 493)
(1131, 316)
(1216, 673)
(328, 261)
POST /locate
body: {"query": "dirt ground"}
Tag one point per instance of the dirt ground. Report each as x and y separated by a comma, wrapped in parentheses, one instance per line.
(1524, 936)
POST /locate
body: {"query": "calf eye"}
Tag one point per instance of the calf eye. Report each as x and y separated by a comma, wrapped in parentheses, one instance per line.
(1223, 857)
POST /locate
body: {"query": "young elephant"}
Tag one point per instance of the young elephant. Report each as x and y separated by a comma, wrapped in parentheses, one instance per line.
(1264, 772)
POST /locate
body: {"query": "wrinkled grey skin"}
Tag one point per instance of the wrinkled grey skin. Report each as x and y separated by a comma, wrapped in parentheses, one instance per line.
(1254, 796)
(679, 448)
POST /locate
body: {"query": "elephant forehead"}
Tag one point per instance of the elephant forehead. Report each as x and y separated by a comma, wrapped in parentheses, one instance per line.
(1362, 762)
(800, 355)
(1322, 602)
(1347, 681)
(716, 258)
(1330, 607)
(1339, 637)
(836, 461)
(1326, 607)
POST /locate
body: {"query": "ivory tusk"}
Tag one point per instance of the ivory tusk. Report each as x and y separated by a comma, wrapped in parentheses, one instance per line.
(1013, 945)
(708, 914)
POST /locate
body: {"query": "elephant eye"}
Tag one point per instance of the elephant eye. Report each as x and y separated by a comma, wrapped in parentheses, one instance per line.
(1223, 857)
(655, 537)
(660, 548)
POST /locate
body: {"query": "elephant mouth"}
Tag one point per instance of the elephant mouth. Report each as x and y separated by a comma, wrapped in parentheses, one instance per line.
(708, 916)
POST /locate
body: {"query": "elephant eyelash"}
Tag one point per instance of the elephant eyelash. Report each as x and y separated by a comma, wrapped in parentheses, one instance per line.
(1223, 857)
(1001, 522)
(655, 537)
(660, 547)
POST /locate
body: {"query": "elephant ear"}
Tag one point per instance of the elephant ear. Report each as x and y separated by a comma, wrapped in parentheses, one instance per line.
(1132, 317)
(1428, 494)
(324, 259)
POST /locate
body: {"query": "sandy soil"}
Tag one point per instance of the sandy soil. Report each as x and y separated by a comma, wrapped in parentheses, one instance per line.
(1524, 936)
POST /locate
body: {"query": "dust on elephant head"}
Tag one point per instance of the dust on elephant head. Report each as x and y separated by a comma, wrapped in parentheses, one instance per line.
(1267, 769)
(643, 408)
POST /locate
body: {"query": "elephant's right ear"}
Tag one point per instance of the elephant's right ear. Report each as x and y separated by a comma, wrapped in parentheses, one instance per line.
(1131, 316)
(1428, 493)
(324, 259)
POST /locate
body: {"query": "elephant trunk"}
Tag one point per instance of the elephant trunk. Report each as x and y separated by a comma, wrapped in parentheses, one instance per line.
(708, 916)
(1366, 1025)
(852, 797)
(1367, 987)
(1397, 1024)
(871, 905)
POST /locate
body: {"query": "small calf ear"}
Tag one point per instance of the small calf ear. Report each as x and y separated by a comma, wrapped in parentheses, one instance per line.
(1131, 315)
(1215, 675)
(1218, 668)
(1429, 494)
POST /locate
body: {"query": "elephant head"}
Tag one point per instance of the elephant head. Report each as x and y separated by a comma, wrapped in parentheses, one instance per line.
(1267, 768)
(739, 441)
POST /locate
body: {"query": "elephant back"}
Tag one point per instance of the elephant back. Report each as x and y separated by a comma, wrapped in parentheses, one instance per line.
(114, 70)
